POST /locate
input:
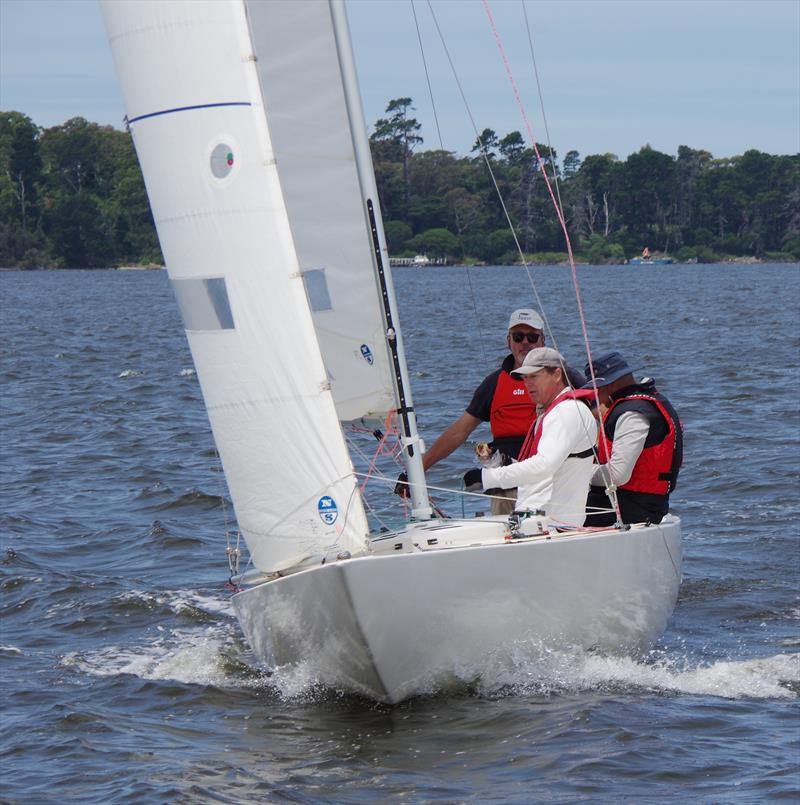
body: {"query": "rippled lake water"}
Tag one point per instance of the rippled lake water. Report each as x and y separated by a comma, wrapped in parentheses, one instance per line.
(125, 676)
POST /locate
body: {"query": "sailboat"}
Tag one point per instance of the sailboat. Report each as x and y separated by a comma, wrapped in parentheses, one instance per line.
(247, 121)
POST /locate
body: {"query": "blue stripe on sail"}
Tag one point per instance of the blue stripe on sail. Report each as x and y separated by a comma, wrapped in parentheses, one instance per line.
(188, 109)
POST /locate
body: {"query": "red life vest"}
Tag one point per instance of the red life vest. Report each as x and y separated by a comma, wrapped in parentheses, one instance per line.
(531, 444)
(656, 469)
(512, 408)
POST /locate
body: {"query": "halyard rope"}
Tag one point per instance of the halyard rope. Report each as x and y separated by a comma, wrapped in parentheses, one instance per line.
(472, 296)
(541, 165)
(560, 214)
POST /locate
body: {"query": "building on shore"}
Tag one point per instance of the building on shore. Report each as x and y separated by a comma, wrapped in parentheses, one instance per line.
(418, 261)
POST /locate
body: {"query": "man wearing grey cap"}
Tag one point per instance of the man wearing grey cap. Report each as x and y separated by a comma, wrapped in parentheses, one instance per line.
(500, 400)
(555, 461)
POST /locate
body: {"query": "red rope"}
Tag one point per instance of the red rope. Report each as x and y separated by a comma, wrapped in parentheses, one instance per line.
(388, 429)
(559, 213)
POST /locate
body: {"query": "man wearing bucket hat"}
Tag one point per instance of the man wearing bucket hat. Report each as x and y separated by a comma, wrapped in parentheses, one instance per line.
(555, 460)
(500, 400)
(643, 447)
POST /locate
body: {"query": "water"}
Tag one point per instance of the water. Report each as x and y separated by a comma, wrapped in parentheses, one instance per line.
(125, 677)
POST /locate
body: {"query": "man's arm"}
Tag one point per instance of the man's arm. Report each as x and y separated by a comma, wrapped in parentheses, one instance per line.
(452, 438)
(567, 429)
(630, 435)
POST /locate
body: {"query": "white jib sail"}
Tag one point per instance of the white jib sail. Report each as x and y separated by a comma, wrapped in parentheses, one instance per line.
(259, 215)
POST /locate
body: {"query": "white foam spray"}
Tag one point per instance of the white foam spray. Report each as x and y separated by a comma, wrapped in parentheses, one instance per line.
(775, 677)
(210, 654)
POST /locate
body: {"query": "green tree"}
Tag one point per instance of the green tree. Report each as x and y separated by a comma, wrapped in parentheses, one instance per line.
(398, 135)
(73, 224)
(645, 203)
(689, 167)
(486, 143)
(598, 250)
(96, 211)
(499, 245)
(20, 162)
(435, 243)
(512, 147)
(397, 234)
(466, 210)
(572, 161)
(21, 240)
(593, 195)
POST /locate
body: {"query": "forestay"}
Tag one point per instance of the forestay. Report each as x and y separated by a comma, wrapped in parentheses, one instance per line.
(260, 217)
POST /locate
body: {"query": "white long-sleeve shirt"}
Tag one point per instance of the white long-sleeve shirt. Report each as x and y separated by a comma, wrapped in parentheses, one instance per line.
(630, 434)
(551, 481)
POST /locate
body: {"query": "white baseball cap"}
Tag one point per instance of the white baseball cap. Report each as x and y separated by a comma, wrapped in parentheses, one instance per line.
(527, 316)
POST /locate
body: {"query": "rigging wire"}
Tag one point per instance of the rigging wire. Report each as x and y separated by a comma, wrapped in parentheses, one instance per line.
(512, 228)
(487, 161)
(472, 296)
(464, 493)
(388, 430)
(611, 489)
(427, 75)
(541, 105)
(385, 447)
(541, 165)
(234, 553)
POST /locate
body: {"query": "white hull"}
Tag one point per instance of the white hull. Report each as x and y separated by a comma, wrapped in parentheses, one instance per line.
(413, 616)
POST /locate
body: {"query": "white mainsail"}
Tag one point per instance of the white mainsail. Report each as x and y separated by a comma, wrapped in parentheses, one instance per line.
(265, 237)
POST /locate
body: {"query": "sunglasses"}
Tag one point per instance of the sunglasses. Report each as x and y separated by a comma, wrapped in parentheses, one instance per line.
(532, 338)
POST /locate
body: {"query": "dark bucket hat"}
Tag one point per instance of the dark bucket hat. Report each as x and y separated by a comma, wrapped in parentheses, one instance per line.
(607, 368)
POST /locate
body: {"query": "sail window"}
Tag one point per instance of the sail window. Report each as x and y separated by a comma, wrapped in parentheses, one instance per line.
(317, 289)
(222, 160)
(204, 303)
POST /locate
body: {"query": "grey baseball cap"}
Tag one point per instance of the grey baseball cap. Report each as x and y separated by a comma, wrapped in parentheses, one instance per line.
(537, 359)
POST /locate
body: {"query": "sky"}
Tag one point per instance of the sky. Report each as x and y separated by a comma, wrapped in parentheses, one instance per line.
(722, 75)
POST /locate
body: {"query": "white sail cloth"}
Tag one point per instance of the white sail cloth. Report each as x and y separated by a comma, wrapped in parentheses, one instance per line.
(260, 218)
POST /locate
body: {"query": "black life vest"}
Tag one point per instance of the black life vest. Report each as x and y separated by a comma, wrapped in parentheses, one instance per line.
(656, 470)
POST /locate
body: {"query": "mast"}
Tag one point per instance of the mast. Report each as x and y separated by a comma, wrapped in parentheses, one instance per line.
(412, 453)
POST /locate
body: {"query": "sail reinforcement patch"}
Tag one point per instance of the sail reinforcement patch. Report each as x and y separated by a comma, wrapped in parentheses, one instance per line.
(319, 297)
(204, 303)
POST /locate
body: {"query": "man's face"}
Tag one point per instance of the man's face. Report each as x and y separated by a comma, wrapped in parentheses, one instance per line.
(604, 396)
(604, 392)
(544, 386)
(521, 340)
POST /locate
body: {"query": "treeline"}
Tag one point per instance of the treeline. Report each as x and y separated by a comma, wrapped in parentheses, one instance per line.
(692, 206)
(73, 196)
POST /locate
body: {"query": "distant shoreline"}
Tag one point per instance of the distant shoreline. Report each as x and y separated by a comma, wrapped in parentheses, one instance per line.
(561, 264)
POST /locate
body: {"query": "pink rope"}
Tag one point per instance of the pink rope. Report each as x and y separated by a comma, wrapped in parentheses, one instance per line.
(387, 431)
(559, 213)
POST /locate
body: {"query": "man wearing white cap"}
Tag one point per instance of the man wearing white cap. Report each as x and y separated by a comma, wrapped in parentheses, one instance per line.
(500, 400)
(555, 461)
